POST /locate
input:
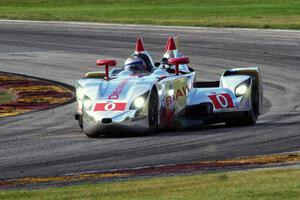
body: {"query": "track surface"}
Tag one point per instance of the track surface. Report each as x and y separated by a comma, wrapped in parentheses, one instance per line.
(50, 142)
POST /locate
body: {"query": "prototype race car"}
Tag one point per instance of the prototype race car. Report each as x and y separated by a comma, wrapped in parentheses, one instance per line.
(141, 96)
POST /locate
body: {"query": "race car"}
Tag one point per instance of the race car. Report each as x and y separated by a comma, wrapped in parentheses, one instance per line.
(141, 96)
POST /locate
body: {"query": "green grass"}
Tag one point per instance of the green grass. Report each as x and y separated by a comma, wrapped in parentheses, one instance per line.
(217, 13)
(5, 96)
(265, 184)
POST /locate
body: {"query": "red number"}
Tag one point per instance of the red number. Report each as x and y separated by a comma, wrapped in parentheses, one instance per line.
(110, 106)
(222, 101)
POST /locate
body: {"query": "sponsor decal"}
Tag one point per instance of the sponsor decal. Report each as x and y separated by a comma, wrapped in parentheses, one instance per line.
(174, 101)
(181, 92)
(110, 106)
(116, 93)
(222, 100)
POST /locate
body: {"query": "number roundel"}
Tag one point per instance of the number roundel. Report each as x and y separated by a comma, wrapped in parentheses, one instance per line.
(222, 101)
(110, 106)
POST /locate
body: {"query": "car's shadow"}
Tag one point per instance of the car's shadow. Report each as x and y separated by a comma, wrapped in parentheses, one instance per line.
(203, 130)
(167, 132)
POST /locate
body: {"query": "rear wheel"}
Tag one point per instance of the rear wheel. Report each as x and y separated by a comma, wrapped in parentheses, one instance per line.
(153, 112)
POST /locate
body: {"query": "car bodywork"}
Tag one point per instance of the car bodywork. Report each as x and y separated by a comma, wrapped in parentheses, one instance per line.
(117, 99)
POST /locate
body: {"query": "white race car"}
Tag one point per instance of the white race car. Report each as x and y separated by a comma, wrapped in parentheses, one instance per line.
(141, 96)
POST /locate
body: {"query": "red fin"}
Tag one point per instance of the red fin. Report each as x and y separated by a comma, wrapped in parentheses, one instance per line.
(170, 44)
(139, 45)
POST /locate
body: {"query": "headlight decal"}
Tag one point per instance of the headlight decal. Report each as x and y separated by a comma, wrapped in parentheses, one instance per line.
(242, 88)
(139, 102)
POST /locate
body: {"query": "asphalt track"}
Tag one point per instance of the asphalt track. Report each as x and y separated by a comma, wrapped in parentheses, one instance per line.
(50, 142)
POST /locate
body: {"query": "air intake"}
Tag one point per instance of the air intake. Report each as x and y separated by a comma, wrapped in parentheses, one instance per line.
(106, 120)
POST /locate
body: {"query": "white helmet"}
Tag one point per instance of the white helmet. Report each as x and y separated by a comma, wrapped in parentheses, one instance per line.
(135, 64)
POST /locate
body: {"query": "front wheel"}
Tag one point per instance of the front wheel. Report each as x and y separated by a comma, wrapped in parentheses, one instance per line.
(251, 116)
(153, 112)
(80, 121)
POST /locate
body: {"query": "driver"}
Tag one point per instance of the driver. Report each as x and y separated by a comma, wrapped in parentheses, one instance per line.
(135, 64)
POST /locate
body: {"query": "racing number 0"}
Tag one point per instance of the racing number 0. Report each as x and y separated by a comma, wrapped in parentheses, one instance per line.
(222, 100)
(110, 106)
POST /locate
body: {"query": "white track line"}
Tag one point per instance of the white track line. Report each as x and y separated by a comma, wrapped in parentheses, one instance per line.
(138, 26)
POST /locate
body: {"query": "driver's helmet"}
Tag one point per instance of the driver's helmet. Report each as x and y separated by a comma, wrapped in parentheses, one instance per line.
(135, 64)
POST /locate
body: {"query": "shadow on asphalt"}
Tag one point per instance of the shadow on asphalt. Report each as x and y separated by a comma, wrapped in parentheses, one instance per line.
(161, 133)
(203, 130)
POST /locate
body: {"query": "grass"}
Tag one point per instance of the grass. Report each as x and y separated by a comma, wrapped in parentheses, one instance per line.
(218, 13)
(5, 96)
(263, 184)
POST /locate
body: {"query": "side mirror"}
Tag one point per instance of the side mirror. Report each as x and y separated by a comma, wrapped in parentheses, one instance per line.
(107, 64)
(177, 62)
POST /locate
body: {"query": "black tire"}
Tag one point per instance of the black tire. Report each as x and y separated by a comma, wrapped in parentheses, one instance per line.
(251, 116)
(153, 112)
(80, 122)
